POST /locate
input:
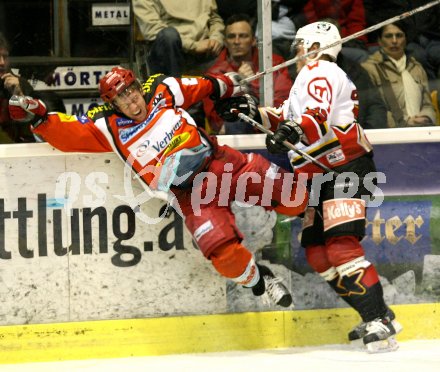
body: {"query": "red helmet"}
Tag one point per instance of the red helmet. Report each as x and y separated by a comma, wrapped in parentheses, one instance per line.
(115, 82)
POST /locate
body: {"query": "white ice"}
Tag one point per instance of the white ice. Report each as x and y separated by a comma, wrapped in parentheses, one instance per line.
(412, 356)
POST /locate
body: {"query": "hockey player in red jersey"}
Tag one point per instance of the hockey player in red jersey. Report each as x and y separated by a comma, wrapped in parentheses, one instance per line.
(320, 117)
(148, 127)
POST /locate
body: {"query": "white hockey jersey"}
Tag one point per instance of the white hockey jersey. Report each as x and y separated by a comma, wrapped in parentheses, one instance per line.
(323, 100)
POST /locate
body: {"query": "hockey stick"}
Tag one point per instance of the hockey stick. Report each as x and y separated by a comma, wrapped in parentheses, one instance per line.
(290, 146)
(343, 40)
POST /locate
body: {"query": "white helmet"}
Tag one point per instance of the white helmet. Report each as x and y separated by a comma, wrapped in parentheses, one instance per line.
(324, 33)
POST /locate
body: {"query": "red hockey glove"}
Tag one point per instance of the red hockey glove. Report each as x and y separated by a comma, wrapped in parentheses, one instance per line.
(26, 109)
(227, 85)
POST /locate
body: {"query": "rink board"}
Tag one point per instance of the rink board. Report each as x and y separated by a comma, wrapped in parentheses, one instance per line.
(198, 334)
(62, 274)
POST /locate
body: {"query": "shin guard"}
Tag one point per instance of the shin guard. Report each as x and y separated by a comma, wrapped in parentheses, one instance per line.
(363, 288)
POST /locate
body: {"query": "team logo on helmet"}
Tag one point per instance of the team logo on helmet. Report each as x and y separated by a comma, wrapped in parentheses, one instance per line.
(323, 26)
(323, 33)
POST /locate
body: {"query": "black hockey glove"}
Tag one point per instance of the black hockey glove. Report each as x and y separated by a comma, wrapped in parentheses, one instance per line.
(275, 147)
(245, 104)
(287, 131)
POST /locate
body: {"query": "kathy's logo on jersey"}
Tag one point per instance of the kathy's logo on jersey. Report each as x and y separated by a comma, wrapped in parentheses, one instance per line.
(320, 90)
(122, 122)
(339, 211)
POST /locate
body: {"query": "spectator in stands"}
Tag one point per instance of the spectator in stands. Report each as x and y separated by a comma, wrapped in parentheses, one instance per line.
(11, 84)
(179, 31)
(402, 81)
(422, 31)
(241, 55)
(287, 16)
(372, 109)
(351, 17)
(286, 19)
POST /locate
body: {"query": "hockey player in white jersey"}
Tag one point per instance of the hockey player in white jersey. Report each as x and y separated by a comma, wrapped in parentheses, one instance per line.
(320, 117)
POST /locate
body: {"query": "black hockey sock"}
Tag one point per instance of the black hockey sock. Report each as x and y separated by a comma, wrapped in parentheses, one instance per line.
(259, 288)
(367, 301)
(340, 290)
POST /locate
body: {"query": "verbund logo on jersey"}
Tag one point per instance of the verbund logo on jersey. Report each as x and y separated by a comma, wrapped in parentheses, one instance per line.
(159, 138)
(162, 144)
(338, 211)
(142, 148)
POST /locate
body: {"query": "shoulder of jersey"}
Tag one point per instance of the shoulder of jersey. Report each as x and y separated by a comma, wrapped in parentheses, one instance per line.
(100, 111)
(150, 85)
(318, 67)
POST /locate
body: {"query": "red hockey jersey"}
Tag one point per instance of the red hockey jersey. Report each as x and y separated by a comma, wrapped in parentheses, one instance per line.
(165, 145)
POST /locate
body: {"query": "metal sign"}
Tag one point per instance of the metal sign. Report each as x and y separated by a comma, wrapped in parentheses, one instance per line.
(110, 14)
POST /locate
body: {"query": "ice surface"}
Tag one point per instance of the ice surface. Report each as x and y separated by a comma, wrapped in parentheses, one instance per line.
(420, 356)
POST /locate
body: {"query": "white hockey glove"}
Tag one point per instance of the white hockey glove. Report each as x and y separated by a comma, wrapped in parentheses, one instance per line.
(25, 109)
(227, 85)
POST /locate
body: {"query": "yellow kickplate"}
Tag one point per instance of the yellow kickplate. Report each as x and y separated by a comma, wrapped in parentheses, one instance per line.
(198, 334)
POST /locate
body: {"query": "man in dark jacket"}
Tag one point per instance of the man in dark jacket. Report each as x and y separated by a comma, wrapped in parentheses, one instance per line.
(10, 85)
(372, 109)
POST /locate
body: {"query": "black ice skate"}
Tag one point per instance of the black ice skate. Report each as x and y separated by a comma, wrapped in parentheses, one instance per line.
(380, 334)
(271, 289)
(358, 332)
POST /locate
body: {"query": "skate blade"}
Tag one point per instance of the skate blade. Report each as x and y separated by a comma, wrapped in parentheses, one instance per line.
(357, 344)
(397, 326)
(383, 346)
(265, 299)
